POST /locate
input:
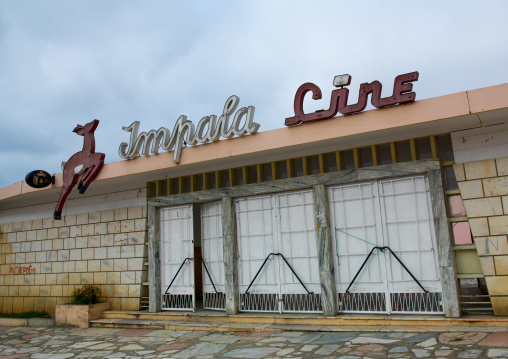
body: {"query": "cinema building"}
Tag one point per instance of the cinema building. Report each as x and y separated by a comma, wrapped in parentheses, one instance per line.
(402, 209)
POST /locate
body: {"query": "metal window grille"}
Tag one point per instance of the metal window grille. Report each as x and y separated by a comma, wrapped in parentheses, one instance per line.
(177, 301)
(302, 303)
(214, 301)
(417, 302)
(361, 302)
(254, 302)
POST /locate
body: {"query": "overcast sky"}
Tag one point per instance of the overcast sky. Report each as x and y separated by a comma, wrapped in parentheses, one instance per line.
(68, 62)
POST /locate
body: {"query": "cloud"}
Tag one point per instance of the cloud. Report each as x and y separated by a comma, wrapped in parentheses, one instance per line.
(63, 63)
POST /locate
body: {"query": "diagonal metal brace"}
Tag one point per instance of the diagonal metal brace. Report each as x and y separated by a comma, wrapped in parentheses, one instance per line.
(209, 276)
(402, 264)
(291, 268)
(178, 271)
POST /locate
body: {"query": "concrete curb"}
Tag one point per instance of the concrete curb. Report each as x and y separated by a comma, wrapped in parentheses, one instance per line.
(32, 322)
(249, 327)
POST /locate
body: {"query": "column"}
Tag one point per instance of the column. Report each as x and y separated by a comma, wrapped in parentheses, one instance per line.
(229, 256)
(154, 267)
(325, 250)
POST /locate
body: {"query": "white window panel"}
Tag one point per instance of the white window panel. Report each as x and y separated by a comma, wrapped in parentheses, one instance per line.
(177, 245)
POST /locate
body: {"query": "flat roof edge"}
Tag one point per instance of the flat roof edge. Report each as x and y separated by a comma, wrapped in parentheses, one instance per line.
(415, 113)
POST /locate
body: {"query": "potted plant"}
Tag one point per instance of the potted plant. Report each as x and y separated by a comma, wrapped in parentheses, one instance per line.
(84, 306)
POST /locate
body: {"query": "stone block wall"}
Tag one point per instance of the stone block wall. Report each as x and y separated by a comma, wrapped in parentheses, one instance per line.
(484, 189)
(42, 261)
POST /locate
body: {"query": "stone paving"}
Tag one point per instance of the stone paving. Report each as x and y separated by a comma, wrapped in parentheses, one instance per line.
(62, 343)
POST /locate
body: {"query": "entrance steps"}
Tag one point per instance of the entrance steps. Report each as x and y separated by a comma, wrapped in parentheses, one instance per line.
(219, 321)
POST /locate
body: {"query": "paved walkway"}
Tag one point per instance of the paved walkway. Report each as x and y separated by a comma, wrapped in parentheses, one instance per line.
(60, 343)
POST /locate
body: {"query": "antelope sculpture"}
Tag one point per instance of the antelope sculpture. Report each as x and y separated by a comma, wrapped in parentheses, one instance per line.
(85, 163)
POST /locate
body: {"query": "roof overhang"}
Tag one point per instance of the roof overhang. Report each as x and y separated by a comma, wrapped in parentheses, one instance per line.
(464, 110)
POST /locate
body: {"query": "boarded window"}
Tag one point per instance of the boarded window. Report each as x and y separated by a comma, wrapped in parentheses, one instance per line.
(298, 167)
(348, 160)
(330, 162)
(450, 180)
(423, 148)
(238, 176)
(212, 181)
(444, 148)
(252, 174)
(366, 157)
(403, 151)
(384, 153)
(314, 165)
(225, 178)
(282, 168)
(267, 172)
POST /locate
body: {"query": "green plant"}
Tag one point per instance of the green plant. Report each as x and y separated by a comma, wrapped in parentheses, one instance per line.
(88, 294)
(24, 315)
(457, 339)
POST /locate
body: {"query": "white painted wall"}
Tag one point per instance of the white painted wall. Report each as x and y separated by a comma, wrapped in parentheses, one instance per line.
(482, 143)
(112, 200)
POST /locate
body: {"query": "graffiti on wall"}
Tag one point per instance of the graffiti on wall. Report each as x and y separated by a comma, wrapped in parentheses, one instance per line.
(22, 270)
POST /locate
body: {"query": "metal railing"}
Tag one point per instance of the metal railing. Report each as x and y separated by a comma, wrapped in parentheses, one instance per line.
(177, 272)
(208, 274)
(291, 268)
(402, 264)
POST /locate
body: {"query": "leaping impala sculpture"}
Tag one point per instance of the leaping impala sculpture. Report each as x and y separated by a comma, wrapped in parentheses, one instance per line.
(85, 163)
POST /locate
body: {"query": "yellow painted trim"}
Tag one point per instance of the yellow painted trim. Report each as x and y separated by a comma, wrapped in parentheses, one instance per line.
(290, 169)
(149, 190)
(218, 179)
(458, 219)
(412, 143)
(375, 156)
(171, 188)
(275, 171)
(158, 188)
(433, 146)
(447, 163)
(193, 183)
(338, 159)
(245, 174)
(206, 181)
(467, 262)
(260, 175)
(322, 167)
(260, 172)
(232, 178)
(461, 247)
(181, 185)
(356, 157)
(305, 164)
(393, 151)
(470, 276)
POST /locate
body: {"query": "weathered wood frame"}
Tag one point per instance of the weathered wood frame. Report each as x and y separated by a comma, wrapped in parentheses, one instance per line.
(431, 168)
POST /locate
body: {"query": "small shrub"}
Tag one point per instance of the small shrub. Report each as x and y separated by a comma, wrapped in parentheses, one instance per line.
(24, 315)
(88, 294)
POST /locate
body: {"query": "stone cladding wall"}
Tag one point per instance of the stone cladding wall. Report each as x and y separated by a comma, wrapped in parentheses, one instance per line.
(484, 189)
(42, 261)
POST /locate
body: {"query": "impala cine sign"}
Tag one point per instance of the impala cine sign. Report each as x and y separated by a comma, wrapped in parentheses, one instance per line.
(209, 129)
(402, 93)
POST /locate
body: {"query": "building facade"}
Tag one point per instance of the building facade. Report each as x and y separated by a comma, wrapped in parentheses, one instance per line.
(395, 210)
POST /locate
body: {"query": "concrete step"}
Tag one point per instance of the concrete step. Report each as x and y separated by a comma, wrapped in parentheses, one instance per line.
(218, 321)
(205, 326)
(30, 322)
